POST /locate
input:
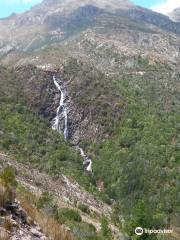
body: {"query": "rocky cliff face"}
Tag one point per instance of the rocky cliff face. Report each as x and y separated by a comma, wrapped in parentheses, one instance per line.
(17, 225)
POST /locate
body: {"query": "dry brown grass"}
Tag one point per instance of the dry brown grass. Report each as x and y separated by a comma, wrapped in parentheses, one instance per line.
(50, 227)
(6, 193)
(2, 194)
(4, 236)
(176, 232)
(8, 224)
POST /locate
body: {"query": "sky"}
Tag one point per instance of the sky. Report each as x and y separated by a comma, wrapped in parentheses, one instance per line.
(8, 7)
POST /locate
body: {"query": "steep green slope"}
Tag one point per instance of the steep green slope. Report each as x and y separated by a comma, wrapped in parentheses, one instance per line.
(140, 163)
(29, 137)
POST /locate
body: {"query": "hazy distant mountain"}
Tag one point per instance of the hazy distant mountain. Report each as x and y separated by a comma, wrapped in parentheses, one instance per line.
(175, 15)
(69, 5)
(54, 21)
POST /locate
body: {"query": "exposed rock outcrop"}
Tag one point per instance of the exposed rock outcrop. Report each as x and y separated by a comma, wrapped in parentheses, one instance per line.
(15, 224)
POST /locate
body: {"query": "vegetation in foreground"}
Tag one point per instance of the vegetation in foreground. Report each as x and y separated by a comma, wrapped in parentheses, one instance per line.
(8, 193)
(44, 210)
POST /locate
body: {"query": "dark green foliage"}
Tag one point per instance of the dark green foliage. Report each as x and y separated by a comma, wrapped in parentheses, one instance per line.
(47, 204)
(105, 230)
(95, 94)
(29, 137)
(83, 208)
(32, 140)
(8, 186)
(140, 161)
(69, 215)
(8, 177)
(142, 217)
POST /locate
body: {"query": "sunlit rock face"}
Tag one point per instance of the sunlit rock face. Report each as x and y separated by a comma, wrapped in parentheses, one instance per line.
(175, 15)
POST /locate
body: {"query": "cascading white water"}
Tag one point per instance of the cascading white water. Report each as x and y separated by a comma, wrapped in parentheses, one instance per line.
(87, 161)
(62, 110)
(82, 152)
(65, 123)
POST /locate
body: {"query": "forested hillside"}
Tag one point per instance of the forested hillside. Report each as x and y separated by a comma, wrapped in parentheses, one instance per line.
(89, 100)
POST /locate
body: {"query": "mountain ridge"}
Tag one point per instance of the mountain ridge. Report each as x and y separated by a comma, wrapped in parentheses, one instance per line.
(53, 24)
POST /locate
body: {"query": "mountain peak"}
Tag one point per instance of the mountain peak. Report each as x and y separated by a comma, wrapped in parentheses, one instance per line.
(104, 4)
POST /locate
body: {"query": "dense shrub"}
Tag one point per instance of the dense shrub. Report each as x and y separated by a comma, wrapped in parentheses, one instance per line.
(69, 215)
(84, 208)
(8, 185)
(105, 230)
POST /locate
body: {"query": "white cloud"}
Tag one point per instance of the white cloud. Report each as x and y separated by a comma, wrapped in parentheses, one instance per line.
(166, 7)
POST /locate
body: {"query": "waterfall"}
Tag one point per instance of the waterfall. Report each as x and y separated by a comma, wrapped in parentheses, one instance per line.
(87, 163)
(61, 111)
(62, 114)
